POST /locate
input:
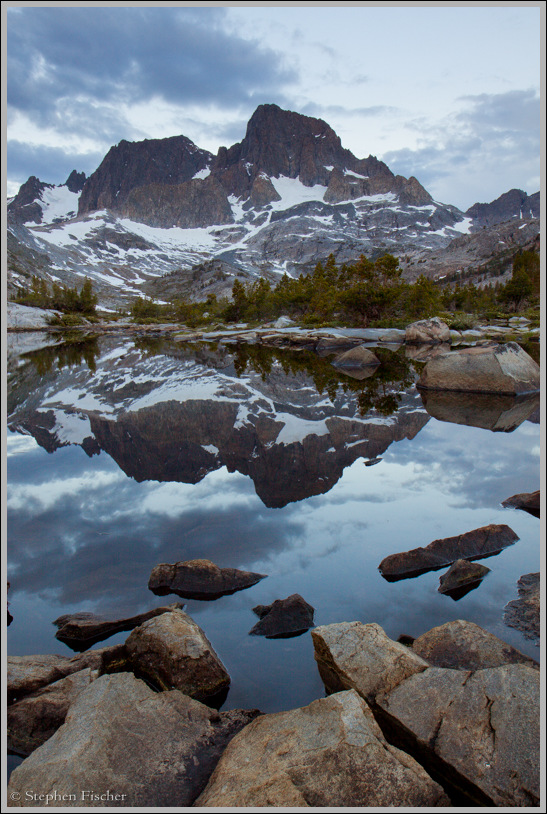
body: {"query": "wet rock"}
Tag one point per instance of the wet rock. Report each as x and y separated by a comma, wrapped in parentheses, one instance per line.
(479, 730)
(80, 630)
(505, 369)
(427, 331)
(36, 717)
(283, 618)
(524, 613)
(199, 579)
(461, 645)
(528, 501)
(26, 674)
(486, 410)
(172, 651)
(330, 753)
(149, 749)
(351, 655)
(356, 357)
(472, 545)
(461, 574)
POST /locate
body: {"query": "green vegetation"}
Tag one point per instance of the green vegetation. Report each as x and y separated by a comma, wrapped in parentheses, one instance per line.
(365, 293)
(59, 298)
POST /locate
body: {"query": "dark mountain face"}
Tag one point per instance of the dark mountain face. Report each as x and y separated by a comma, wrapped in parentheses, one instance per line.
(75, 181)
(512, 204)
(25, 207)
(130, 165)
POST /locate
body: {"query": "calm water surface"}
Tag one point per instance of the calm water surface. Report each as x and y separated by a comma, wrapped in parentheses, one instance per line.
(126, 453)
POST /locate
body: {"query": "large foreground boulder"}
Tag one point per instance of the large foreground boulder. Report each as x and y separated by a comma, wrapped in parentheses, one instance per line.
(479, 730)
(505, 369)
(199, 579)
(283, 618)
(427, 331)
(173, 652)
(330, 753)
(461, 645)
(472, 545)
(34, 719)
(524, 613)
(80, 630)
(351, 655)
(123, 744)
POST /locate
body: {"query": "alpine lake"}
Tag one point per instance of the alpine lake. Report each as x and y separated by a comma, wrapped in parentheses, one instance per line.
(128, 451)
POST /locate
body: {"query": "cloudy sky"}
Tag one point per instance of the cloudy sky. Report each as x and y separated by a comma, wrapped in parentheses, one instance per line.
(446, 92)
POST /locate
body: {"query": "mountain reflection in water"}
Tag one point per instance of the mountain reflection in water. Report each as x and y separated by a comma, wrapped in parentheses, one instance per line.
(252, 458)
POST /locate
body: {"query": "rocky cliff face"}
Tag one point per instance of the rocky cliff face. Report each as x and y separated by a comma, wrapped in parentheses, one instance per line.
(130, 165)
(510, 205)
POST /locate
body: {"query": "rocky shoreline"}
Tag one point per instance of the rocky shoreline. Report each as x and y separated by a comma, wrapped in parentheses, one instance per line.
(450, 718)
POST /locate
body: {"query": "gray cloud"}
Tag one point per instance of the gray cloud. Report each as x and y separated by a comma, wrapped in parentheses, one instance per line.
(463, 158)
(50, 164)
(60, 57)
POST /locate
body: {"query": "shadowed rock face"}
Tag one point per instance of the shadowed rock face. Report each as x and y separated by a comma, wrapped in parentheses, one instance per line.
(524, 613)
(473, 545)
(199, 579)
(461, 574)
(513, 204)
(283, 618)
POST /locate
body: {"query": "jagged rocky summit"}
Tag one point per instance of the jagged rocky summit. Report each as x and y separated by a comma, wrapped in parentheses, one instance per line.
(285, 196)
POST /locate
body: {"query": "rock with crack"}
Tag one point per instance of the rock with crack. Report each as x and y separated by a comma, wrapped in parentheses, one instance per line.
(505, 369)
(330, 753)
(472, 545)
(34, 719)
(462, 645)
(528, 501)
(524, 613)
(479, 730)
(173, 652)
(352, 655)
(460, 577)
(80, 630)
(142, 747)
(27, 674)
(199, 579)
(283, 618)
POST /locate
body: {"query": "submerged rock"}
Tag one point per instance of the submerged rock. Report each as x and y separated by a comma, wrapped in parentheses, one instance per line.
(505, 369)
(129, 746)
(528, 501)
(283, 618)
(427, 331)
(80, 630)
(473, 545)
(36, 717)
(332, 344)
(351, 655)
(461, 575)
(199, 579)
(173, 652)
(461, 645)
(479, 730)
(524, 613)
(330, 753)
